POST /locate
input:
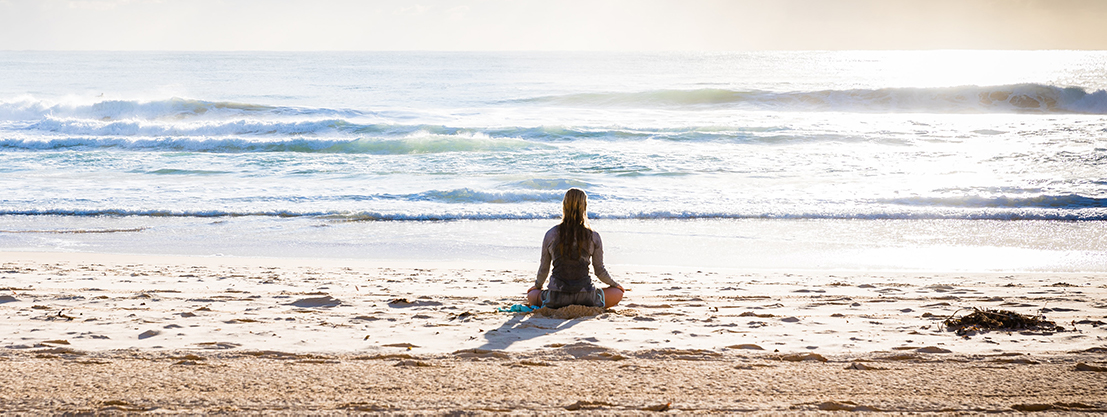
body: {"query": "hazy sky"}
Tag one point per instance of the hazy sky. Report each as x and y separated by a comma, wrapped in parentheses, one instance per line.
(551, 24)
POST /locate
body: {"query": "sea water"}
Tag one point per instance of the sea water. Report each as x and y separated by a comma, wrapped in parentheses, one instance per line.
(963, 160)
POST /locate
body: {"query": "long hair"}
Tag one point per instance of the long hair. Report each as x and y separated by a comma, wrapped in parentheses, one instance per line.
(574, 224)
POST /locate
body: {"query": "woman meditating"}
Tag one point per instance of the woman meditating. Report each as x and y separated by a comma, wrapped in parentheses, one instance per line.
(570, 247)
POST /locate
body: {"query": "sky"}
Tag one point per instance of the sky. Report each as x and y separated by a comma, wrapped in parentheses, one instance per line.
(496, 25)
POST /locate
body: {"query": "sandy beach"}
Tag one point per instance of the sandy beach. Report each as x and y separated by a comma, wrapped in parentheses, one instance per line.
(97, 332)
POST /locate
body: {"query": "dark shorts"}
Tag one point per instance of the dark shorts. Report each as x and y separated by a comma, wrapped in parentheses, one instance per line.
(557, 299)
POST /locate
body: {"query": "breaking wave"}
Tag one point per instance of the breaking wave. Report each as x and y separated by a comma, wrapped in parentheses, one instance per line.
(398, 146)
(539, 203)
(473, 214)
(1018, 98)
(169, 109)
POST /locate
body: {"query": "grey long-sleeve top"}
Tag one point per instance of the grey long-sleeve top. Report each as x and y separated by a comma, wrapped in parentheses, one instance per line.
(549, 244)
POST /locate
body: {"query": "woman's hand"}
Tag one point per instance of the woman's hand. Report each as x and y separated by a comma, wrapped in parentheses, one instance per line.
(532, 288)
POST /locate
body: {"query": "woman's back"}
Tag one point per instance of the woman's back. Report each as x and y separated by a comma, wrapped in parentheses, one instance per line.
(569, 247)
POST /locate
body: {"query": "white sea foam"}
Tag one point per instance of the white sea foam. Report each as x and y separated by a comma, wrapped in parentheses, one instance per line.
(29, 108)
(470, 204)
(223, 144)
(242, 127)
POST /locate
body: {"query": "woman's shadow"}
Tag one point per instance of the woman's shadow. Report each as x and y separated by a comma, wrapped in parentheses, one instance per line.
(523, 327)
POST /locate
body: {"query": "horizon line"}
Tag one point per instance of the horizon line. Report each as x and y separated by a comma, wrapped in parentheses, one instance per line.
(571, 50)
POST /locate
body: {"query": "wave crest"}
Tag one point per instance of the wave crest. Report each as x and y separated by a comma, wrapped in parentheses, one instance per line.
(175, 108)
(209, 128)
(533, 204)
(480, 214)
(400, 146)
(1018, 98)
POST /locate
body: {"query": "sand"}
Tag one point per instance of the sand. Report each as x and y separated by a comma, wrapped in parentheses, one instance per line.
(95, 332)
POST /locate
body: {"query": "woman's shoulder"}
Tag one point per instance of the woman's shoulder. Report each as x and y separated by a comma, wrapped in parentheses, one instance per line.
(553, 231)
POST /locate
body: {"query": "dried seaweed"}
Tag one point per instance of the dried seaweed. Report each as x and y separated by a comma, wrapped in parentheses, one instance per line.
(982, 320)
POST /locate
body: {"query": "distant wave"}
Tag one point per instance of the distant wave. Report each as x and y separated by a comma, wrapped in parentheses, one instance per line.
(1018, 98)
(336, 135)
(398, 146)
(549, 184)
(84, 131)
(470, 196)
(239, 127)
(166, 122)
(169, 109)
(228, 127)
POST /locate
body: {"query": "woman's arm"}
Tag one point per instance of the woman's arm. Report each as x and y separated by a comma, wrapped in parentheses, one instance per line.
(546, 258)
(597, 261)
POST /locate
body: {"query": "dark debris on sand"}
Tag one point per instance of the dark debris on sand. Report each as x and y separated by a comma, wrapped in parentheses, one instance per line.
(982, 320)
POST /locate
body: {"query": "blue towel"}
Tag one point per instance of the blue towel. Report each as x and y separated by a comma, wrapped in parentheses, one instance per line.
(517, 308)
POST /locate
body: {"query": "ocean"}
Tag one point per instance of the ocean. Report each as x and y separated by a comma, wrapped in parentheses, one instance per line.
(900, 160)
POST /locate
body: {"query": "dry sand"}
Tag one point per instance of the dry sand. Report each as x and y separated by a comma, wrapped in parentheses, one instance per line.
(90, 332)
(556, 380)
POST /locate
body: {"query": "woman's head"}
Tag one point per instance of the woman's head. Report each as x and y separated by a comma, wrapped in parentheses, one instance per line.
(574, 223)
(574, 207)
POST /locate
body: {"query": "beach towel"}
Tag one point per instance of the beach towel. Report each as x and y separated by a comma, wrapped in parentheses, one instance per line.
(517, 308)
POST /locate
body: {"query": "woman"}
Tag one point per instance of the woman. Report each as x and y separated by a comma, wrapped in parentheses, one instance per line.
(569, 246)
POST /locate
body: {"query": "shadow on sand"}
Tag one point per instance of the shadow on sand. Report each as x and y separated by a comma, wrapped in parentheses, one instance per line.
(522, 327)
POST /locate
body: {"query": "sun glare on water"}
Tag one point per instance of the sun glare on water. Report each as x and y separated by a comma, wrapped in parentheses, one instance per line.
(950, 68)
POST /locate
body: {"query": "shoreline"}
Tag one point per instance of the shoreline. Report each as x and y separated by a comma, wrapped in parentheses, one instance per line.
(221, 260)
(918, 246)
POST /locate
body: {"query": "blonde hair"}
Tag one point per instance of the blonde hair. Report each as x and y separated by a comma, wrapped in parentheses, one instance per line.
(574, 223)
